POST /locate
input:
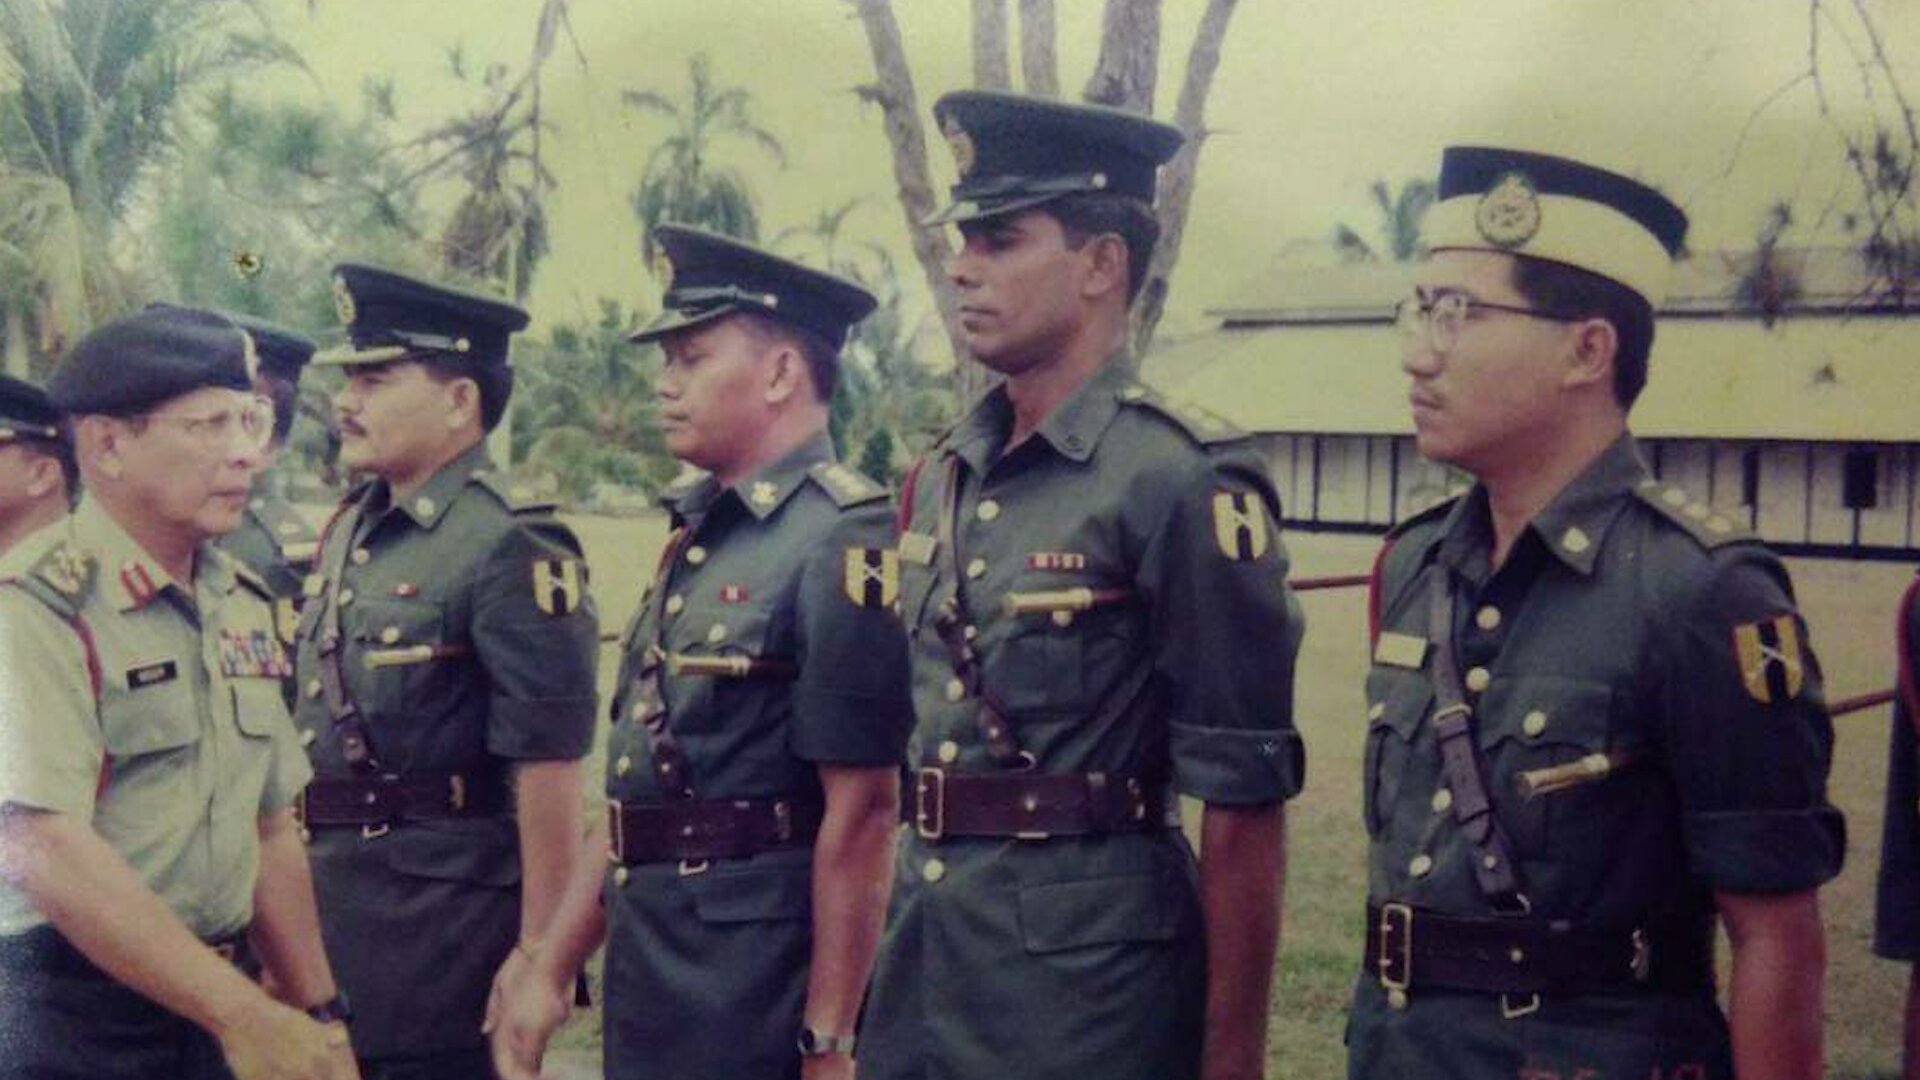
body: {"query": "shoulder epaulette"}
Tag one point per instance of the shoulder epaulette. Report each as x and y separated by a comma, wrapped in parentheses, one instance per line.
(1420, 517)
(1709, 527)
(62, 578)
(1200, 424)
(518, 498)
(845, 486)
(243, 574)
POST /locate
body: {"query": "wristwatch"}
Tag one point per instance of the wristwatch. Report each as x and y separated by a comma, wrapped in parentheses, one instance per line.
(333, 1010)
(816, 1044)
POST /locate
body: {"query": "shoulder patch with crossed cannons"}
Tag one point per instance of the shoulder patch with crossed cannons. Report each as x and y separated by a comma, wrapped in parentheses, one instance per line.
(1773, 662)
(556, 585)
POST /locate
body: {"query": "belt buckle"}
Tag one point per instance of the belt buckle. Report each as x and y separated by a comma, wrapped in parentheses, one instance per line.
(1386, 956)
(1515, 1006)
(930, 826)
(616, 832)
(456, 792)
(690, 867)
(1642, 962)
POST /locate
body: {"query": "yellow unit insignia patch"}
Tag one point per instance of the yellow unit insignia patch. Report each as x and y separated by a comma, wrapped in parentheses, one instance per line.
(873, 576)
(556, 585)
(1240, 525)
(1773, 666)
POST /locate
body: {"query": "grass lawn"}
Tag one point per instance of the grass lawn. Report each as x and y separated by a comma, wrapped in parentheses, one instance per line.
(1849, 606)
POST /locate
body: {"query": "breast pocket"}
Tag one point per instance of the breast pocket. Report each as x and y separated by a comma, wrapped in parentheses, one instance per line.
(1061, 660)
(1544, 738)
(400, 650)
(731, 653)
(1397, 704)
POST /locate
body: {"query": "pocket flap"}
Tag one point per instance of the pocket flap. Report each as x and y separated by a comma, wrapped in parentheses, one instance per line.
(1099, 911)
(758, 895)
(481, 853)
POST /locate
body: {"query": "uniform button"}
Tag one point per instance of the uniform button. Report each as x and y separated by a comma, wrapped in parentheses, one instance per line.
(1397, 999)
(620, 875)
(717, 634)
(307, 735)
(1063, 619)
(949, 752)
(1575, 541)
(1376, 710)
(346, 597)
(314, 688)
(1478, 678)
(361, 556)
(1442, 800)
(1489, 861)
(956, 690)
(675, 603)
(934, 870)
(623, 765)
(987, 510)
(425, 506)
(696, 555)
(976, 568)
(1517, 954)
(1487, 618)
(1534, 723)
(899, 608)
(390, 635)
(970, 632)
(1420, 866)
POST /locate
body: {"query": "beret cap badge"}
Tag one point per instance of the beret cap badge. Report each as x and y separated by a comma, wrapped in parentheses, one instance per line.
(343, 301)
(1509, 213)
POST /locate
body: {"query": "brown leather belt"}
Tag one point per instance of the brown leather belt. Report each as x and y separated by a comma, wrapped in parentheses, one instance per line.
(1035, 806)
(1411, 949)
(694, 831)
(395, 800)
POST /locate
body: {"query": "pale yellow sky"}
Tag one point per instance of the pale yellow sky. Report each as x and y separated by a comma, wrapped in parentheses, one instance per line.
(1314, 100)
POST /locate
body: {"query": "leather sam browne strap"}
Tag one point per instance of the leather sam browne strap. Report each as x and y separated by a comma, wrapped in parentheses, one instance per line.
(350, 727)
(650, 702)
(1493, 867)
(956, 628)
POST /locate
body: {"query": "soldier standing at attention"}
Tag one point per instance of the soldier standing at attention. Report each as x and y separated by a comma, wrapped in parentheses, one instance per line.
(38, 477)
(1595, 721)
(1897, 909)
(445, 661)
(148, 770)
(273, 539)
(753, 766)
(1094, 589)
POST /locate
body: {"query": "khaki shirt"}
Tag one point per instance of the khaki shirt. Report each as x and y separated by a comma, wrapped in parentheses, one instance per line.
(149, 707)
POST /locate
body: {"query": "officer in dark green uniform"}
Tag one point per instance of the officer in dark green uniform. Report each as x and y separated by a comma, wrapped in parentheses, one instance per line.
(1094, 589)
(446, 658)
(37, 473)
(1897, 911)
(753, 765)
(274, 540)
(147, 766)
(1594, 718)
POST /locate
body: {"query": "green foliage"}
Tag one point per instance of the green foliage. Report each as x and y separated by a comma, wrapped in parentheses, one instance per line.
(1400, 217)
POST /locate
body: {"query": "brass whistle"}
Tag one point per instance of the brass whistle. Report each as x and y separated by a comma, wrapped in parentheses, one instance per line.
(1590, 769)
(411, 654)
(1075, 599)
(729, 667)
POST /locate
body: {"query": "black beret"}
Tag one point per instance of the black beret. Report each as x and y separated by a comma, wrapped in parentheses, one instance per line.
(282, 352)
(25, 412)
(1014, 151)
(131, 365)
(715, 275)
(390, 316)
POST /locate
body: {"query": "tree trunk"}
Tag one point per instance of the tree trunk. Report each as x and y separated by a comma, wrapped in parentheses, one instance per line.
(1129, 56)
(893, 92)
(990, 45)
(1175, 197)
(1039, 56)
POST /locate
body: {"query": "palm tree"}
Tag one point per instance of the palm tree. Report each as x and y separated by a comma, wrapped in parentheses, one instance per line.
(681, 183)
(1400, 217)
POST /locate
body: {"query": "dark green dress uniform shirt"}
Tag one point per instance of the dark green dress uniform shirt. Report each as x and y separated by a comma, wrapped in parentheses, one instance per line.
(1079, 957)
(706, 968)
(417, 919)
(1896, 933)
(1627, 620)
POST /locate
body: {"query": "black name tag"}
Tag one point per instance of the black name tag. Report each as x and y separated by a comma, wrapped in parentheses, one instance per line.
(140, 678)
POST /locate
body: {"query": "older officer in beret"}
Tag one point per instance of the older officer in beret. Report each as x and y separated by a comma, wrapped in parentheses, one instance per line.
(1595, 722)
(753, 765)
(38, 476)
(147, 766)
(1094, 587)
(445, 657)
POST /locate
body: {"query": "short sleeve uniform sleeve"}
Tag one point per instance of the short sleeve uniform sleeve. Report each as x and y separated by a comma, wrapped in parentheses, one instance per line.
(51, 748)
(1747, 731)
(537, 635)
(851, 700)
(1226, 632)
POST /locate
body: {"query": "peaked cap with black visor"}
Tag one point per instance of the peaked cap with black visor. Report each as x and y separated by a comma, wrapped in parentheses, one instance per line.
(713, 276)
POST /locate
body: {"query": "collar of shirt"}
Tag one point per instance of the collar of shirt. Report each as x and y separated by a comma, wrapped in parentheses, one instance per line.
(1073, 429)
(764, 491)
(427, 505)
(133, 577)
(1572, 526)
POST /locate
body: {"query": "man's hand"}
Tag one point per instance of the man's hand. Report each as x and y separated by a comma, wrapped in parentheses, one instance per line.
(271, 1041)
(524, 1010)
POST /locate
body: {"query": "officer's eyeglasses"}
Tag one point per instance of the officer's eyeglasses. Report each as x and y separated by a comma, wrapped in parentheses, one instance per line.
(248, 425)
(1439, 321)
